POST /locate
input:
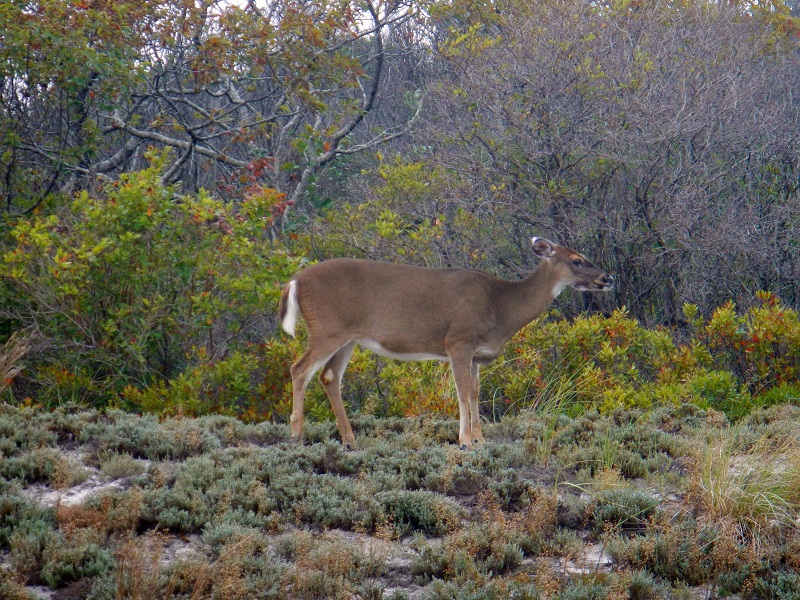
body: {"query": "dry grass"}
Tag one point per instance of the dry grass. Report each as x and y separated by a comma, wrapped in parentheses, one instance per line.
(11, 353)
(138, 574)
(752, 487)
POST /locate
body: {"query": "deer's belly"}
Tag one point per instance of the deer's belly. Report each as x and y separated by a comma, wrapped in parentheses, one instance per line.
(377, 348)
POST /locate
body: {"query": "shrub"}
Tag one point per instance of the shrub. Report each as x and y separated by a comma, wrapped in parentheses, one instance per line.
(36, 465)
(19, 512)
(119, 466)
(676, 551)
(761, 346)
(780, 586)
(426, 512)
(139, 286)
(329, 566)
(26, 545)
(147, 437)
(10, 589)
(581, 359)
(64, 561)
(625, 509)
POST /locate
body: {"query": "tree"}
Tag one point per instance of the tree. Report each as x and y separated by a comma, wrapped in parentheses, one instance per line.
(252, 95)
(60, 63)
(656, 137)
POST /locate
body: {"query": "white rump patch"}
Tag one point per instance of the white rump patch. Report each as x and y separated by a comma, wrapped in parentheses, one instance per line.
(292, 308)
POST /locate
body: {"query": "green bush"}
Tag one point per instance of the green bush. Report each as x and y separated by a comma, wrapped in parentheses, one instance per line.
(157, 302)
(37, 465)
(624, 509)
(66, 560)
(422, 511)
(139, 287)
(760, 346)
(18, 512)
(679, 551)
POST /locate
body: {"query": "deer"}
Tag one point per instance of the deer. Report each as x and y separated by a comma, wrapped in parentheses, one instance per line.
(459, 316)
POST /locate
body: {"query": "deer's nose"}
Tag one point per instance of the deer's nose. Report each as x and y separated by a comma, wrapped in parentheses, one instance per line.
(607, 279)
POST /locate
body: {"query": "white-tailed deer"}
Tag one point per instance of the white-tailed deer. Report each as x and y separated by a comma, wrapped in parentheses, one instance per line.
(460, 316)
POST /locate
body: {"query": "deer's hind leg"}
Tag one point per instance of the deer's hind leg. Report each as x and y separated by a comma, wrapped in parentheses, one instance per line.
(316, 355)
(331, 378)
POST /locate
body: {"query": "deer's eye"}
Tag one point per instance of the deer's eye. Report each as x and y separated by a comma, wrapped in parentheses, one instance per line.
(577, 262)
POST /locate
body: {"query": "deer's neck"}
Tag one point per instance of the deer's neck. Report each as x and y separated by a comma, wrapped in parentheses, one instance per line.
(528, 298)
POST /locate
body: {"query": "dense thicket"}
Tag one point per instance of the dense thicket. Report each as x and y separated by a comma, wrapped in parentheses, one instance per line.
(659, 138)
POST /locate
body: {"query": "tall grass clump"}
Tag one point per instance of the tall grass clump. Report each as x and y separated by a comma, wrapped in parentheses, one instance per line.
(753, 486)
(11, 354)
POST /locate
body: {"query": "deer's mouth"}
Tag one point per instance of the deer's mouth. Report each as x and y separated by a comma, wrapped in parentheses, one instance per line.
(605, 282)
(602, 284)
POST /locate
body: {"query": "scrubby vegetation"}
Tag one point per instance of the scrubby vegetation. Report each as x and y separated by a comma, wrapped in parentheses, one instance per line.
(166, 166)
(147, 301)
(708, 506)
(651, 462)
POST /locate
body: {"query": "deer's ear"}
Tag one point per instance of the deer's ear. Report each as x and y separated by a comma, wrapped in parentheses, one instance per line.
(543, 247)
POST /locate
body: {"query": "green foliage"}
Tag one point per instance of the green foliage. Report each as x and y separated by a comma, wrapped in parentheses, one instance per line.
(681, 551)
(559, 366)
(494, 522)
(13, 590)
(395, 222)
(422, 511)
(67, 560)
(731, 364)
(625, 509)
(89, 53)
(18, 513)
(759, 346)
(139, 287)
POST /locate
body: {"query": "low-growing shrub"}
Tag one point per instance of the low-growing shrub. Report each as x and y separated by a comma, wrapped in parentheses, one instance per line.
(778, 586)
(67, 560)
(147, 437)
(26, 546)
(624, 509)
(35, 465)
(678, 551)
(11, 589)
(329, 566)
(483, 590)
(120, 466)
(422, 511)
(18, 511)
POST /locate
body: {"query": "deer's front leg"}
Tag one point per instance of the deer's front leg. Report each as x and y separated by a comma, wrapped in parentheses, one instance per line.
(461, 365)
(474, 412)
